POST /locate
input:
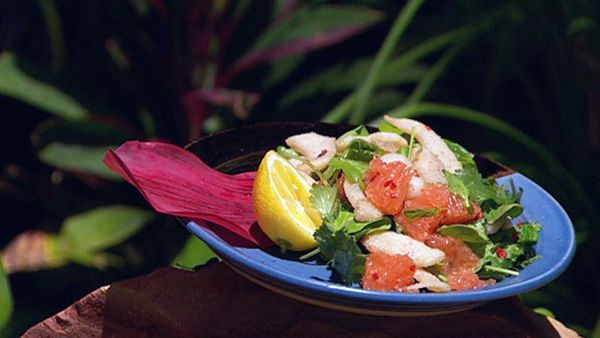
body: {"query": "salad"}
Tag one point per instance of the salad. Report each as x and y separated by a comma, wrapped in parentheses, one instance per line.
(400, 209)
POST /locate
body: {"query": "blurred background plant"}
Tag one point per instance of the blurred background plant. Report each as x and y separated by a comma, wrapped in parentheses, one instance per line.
(516, 81)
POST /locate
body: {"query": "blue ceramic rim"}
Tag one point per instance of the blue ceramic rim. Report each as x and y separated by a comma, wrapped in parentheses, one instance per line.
(336, 292)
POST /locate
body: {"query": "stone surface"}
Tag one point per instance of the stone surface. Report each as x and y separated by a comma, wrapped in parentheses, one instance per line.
(216, 302)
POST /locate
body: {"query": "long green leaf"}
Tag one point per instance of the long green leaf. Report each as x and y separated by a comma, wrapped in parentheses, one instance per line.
(342, 78)
(194, 253)
(54, 28)
(434, 73)
(396, 66)
(102, 227)
(6, 301)
(21, 86)
(315, 20)
(77, 158)
(364, 91)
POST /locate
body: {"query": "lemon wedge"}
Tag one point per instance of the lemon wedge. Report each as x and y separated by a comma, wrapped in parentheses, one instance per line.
(281, 199)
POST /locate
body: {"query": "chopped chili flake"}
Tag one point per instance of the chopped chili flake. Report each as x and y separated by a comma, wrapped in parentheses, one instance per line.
(501, 253)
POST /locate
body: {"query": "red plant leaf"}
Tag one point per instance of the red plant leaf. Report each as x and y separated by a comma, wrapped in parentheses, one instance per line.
(176, 182)
(240, 102)
(298, 46)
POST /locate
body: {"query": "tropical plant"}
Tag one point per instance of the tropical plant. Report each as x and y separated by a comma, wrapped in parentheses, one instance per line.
(81, 77)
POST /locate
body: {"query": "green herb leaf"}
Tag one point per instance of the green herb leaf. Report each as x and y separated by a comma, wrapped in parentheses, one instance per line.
(358, 131)
(462, 154)
(341, 251)
(361, 150)
(325, 199)
(388, 128)
(413, 214)
(512, 210)
(474, 235)
(528, 232)
(353, 170)
(456, 184)
(437, 270)
(349, 261)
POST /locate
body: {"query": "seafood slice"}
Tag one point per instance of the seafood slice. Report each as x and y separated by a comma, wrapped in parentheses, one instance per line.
(429, 140)
(317, 149)
(393, 157)
(388, 142)
(393, 243)
(426, 280)
(364, 210)
(429, 167)
(415, 187)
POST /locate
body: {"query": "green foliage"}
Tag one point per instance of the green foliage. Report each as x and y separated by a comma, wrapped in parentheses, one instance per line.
(413, 214)
(325, 199)
(102, 227)
(194, 253)
(312, 21)
(19, 85)
(6, 302)
(77, 158)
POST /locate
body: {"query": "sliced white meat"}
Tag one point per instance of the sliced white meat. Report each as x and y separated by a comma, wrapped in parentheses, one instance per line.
(429, 140)
(393, 243)
(393, 157)
(317, 149)
(388, 142)
(429, 167)
(364, 210)
(427, 280)
(415, 186)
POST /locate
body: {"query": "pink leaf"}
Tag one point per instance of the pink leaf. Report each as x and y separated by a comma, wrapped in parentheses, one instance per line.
(240, 102)
(293, 47)
(176, 182)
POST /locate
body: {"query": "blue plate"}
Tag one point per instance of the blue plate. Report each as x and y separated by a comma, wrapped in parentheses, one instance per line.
(314, 282)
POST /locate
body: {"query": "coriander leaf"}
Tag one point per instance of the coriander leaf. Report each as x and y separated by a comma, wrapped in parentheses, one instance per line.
(437, 270)
(474, 235)
(340, 250)
(326, 242)
(362, 229)
(342, 221)
(388, 128)
(413, 214)
(325, 199)
(462, 154)
(358, 131)
(345, 222)
(528, 232)
(458, 186)
(512, 210)
(349, 261)
(353, 170)
(361, 150)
